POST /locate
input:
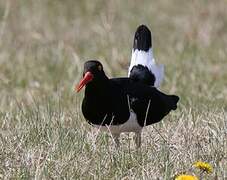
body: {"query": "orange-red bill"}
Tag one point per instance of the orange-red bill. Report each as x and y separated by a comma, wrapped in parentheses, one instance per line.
(87, 78)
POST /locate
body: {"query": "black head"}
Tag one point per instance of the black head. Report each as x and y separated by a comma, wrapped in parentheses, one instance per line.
(93, 66)
(142, 38)
(140, 73)
(93, 71)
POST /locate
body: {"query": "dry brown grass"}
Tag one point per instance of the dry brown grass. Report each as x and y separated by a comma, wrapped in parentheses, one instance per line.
(43, 45)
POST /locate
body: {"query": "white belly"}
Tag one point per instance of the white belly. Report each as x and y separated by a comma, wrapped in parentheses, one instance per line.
(131, 125)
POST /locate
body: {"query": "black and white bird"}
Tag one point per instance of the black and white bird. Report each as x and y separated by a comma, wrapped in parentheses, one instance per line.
(120, 104)
(143, 67)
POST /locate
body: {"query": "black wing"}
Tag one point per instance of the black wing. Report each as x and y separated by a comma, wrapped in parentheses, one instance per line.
(149, 104)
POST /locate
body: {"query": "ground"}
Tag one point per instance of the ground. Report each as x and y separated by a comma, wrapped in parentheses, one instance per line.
(43, 45)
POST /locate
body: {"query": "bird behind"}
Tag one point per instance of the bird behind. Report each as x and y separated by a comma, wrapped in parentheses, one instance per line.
(142, 59)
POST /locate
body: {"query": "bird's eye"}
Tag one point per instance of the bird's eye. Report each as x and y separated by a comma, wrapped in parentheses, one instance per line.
(99, 67)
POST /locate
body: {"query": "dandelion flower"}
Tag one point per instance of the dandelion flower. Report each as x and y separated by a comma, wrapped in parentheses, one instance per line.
(186, 177)
(206, 167)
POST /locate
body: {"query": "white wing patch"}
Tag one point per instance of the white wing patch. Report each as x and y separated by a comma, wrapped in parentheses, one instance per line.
(146, 59)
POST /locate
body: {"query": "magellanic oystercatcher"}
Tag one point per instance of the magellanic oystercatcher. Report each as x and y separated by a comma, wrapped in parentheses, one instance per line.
(143, 67)
(120, 104)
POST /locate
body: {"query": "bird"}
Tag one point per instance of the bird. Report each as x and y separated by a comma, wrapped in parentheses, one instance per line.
(143, 67)
(119, 104)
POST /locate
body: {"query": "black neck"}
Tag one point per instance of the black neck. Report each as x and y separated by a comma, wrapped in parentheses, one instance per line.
(98, 86)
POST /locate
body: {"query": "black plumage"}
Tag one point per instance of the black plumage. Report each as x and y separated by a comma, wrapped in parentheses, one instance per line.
(142, 38)
(109, 101)
(140, 73)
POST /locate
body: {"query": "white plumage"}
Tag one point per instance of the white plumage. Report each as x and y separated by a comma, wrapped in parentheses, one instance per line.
(145, 58)
(131, 125)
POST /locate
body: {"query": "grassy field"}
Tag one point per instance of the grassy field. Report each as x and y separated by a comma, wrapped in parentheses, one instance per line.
(43, 45)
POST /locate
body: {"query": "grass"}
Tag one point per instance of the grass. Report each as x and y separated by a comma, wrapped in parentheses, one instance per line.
(43, 45)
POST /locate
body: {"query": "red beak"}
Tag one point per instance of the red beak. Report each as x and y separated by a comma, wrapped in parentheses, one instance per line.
(87, 78)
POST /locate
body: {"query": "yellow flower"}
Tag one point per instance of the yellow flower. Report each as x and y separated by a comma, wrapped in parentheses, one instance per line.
(206, 167)
(186, 177)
